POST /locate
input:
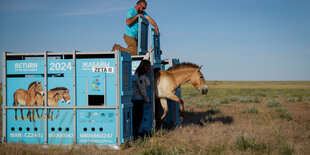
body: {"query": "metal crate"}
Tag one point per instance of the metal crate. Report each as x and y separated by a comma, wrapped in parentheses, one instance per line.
(100, 87)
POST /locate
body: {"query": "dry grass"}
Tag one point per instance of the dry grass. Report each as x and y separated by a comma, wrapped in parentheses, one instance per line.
(234, 118)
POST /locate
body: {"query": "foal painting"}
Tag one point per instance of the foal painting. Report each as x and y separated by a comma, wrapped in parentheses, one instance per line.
(27, 98)
(57, 94)
(53, 96)
(167, 81)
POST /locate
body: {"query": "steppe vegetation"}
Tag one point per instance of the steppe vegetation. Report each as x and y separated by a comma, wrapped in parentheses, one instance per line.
(234, 118)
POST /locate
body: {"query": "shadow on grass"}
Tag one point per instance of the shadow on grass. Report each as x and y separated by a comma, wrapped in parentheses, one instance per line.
(204, 117)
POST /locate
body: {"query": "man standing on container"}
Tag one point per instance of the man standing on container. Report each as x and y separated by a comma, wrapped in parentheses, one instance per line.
(131, 32)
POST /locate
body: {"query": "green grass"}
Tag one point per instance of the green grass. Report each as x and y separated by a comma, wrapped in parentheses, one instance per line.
(283, 113)
(286, 149)
(244, 144)
(154, 150)
(273, 103)
(250, 110)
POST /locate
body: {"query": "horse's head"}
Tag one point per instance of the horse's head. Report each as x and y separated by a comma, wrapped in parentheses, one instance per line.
(199, 82)
(38, 88)
(66, 96)
(59, 96)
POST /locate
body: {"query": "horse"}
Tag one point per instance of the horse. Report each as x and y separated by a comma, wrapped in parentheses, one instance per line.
(27, 98)
(53, 96)
(64, 91)
(53, 101)
(56, 94)
(167, 81)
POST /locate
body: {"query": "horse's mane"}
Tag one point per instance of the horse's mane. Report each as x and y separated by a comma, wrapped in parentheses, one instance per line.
(59, 88)
(32, 83)
(183, 65)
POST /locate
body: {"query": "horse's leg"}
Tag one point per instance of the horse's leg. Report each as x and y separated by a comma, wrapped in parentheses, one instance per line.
(52, 114)
(37, 110)
(15, 114)
(42, 112)
(172, 96)
(57, 113)
(163, 102)
(29, 115)
(48, 113)
(15, 104)
(33, 115)
(21, 111)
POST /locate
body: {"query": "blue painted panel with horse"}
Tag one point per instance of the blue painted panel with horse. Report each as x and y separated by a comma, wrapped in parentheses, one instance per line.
(19, 128)
(60, 130)
(96, 80)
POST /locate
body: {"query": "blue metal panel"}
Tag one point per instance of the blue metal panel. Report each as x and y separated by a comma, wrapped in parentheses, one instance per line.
(96, 126)
(156, 46)
(25, 66)
(126, 121)
(24, 131)
(91, 82)
(142, 36)
(60, 130)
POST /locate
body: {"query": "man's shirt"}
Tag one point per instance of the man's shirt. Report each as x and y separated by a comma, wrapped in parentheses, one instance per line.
(132, 29)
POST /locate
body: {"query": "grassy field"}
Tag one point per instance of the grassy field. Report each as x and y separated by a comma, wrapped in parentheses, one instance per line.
(234, 118)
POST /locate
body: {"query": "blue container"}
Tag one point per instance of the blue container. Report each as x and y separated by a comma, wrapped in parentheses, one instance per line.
(97, 111)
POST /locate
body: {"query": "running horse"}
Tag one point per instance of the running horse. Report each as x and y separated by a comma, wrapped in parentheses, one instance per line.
(167, 81)
(27, 98)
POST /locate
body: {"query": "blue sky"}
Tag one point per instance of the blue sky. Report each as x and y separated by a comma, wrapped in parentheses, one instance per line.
(232, 39)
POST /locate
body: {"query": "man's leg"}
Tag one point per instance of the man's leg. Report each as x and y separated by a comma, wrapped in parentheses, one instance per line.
(132, 44)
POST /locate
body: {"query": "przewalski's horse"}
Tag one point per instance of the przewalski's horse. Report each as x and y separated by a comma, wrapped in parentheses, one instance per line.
(56, 94)
(64, 91)
(53, 101)
(167, 81)
(27, 98)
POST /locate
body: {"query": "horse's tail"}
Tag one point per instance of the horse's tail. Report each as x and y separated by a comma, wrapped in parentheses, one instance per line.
(14, 97)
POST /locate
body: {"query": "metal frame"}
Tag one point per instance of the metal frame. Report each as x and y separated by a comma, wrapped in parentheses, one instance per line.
(45, 98)
(118, 118)
(45, 55)
(4, 97)
(153, 87)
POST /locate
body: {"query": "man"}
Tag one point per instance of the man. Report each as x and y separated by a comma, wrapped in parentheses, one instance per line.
(131, 33)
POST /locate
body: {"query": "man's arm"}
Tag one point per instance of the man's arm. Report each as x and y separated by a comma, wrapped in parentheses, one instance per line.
(129, 21)
(153, 23)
